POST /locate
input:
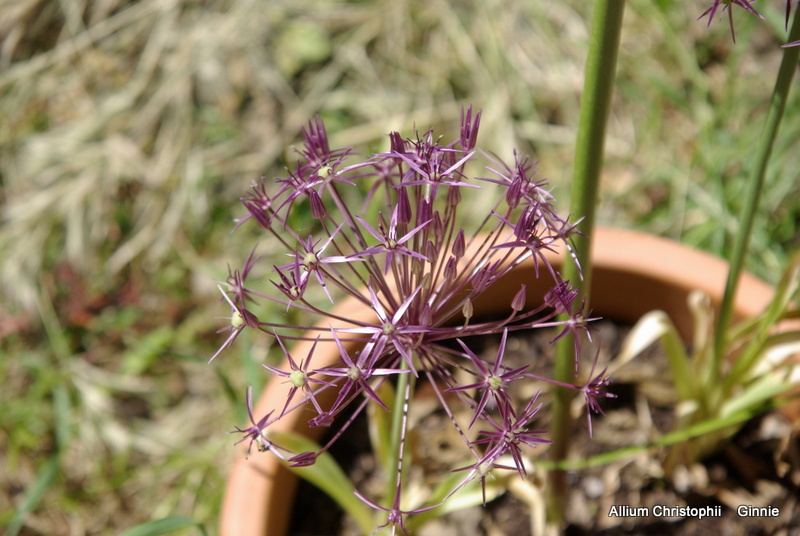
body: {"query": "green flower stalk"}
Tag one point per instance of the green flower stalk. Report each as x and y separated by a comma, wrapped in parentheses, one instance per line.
(595, 105)
(775, 114)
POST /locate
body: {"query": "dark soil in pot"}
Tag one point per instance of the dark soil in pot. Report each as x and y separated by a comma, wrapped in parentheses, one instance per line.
(759, 468)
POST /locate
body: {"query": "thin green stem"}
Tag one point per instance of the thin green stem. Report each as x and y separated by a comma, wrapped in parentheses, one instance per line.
(755, 187)
(404, 391)
(595, 105)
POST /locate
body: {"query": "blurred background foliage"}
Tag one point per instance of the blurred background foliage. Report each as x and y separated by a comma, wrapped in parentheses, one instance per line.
(130, 129)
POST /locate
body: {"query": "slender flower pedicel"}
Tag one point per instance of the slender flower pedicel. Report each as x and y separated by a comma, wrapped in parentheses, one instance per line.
(402, 249)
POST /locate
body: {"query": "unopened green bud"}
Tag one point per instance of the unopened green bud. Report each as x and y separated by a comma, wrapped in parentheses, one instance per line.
(237, 320)
(298, 378)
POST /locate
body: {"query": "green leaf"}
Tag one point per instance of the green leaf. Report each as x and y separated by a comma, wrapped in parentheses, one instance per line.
(329, 477)
(165, 525)
(653, 326)
(701, 428)
(472, 494)
(784, 293)
(756, 394)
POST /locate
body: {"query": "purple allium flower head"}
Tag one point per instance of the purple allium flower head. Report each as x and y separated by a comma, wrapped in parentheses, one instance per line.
(391, 232)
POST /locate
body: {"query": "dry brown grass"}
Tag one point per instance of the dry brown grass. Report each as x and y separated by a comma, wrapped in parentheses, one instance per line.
(161, 108)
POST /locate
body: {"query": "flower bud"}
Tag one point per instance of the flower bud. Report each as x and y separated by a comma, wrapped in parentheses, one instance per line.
(459, 245)
(469, 128)
(424, 211)
(426, 317)
(450, 268)
(426, 282)
(417, 266)
(403, 208)
(396, 143)
(437, 225)
(453, 196)
(467, 309)
(317, 206)
(518, 303)
(431, 251)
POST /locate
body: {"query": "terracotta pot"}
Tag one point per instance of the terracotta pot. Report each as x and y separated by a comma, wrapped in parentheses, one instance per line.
(634, 273)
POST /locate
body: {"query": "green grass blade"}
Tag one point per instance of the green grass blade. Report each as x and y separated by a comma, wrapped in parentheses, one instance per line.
(755, 186)
(62, 409)
(379, 423)
(165, 525)
(35, 493)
